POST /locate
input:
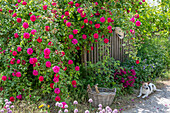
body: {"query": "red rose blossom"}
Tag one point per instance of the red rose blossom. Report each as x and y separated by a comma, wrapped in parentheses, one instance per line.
(41, 78)
(12, 99)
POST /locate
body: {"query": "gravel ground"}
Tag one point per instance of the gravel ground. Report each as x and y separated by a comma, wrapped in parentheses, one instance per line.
(158, 102)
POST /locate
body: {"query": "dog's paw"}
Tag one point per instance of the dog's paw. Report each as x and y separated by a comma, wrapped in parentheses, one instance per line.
(138, 95)
(143, 96)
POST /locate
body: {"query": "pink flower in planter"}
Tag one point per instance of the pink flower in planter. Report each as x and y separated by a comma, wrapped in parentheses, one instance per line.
(75, 31)
(71, 2)
(85, 20)
(84, 36)
(109, 27)
(74, 41)
(47, 51)
(14, 53)
(19, 20)
(96, 36)
(70, 36)
(14, 15)
(47, 28)
(18, 61)
(56, 69)
(19, 97)
(97, 26)
(77, 68)
(29, 51)
(16, 35)
(18, 74)
(109, 20)
(33, 18)
(70, 62)
(44, 7)
(26, 35)
(68, 24)
(138, 23)
(25, 25)
(4, 78)
(48, 64)
(67, 13)
(83, 15)
(24, 3)
(77, 4)
(102, 19)
(35, 72)
(33, 32)
(57, 91)
(41, 78)
(132, 19)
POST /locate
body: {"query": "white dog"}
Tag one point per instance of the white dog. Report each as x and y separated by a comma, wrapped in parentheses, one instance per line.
(147, 88)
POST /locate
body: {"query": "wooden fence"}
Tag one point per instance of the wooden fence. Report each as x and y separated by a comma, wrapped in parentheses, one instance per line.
(116, 50)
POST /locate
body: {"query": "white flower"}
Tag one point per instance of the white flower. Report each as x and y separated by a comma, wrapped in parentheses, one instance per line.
(12, 106)
(76, 110)
(6, 100)
(100, 105)
(87, 111)
(66, 111)
(59, 111)
(75, 102)
(56, 104)
(60, 105)
(90, 100)
(115, 111)
(66, 106)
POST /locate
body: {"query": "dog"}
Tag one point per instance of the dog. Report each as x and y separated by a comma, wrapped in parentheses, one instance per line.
(146, 89)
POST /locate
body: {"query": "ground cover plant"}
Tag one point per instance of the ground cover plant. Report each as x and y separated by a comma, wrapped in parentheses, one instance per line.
(41, 44)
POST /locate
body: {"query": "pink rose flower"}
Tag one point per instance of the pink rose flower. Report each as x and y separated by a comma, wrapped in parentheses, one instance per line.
(47, 28)
(90, 22)
(84, 36)
(77, 4)
(56, 79)
(35, 72)
(18, 61)
(75, 31)
(67, 13)
(106, 40)
(14, 15)
(18, 74)
(19, 97)
(80, 10)
(109, 27)
(16, 35)
(70, 62)
(71, 3)
(29, 51)
(56, 69)
(4, 78)
(54, 4)
(33, 32)
(85, 20)
(48, 64)
(70, 36)
(14, 53)
(109, 20)
(77, 68)
(97, 26)
(44, 7)
(33, 18)
(68, 24)
(47, 51)
(41, 78)
(83, 15)
(46, 56)
(102, 19)
(19, 49)
(74, 41)
(96, 36)
(25, 25)
(19, 1)
(24, 3)
(19, 20)
(132, 19)
(138, 23)
(26, 35)
(57, 91)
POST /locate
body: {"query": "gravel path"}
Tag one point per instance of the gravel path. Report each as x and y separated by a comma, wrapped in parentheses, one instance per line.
(158, 102)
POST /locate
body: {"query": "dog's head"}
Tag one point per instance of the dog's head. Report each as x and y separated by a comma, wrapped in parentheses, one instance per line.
(145, 85)
(119, 32)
